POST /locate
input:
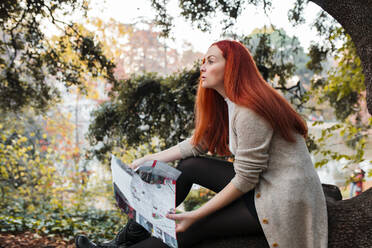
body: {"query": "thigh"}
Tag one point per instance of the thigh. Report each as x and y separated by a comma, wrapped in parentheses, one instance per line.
(210, 173)
(233, 220)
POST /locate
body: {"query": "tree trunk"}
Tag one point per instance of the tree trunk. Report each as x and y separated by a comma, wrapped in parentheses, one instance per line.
(355, 16)
(349, 224)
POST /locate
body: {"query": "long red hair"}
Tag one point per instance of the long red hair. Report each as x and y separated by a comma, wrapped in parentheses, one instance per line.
(244, 86)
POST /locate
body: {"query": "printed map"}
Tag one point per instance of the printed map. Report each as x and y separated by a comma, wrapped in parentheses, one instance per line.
(147, 195)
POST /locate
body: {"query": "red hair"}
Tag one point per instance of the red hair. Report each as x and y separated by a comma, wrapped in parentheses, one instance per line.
(244, 86)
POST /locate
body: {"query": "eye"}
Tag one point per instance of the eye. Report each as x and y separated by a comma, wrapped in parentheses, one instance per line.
(210, 61)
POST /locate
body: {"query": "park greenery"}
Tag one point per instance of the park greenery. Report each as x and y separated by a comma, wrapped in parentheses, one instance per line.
(352, 16)
(47, 185)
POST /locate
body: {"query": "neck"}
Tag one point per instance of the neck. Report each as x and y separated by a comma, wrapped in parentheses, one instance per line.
(221, 92)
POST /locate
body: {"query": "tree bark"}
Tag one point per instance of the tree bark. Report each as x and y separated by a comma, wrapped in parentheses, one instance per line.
(355, 16)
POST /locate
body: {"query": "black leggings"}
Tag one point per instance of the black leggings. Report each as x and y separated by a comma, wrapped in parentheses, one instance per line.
(237, 219)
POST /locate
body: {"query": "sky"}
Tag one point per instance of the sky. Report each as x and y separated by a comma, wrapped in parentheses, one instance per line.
(128, 11)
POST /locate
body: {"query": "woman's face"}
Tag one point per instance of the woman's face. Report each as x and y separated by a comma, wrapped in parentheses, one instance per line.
(212, 70)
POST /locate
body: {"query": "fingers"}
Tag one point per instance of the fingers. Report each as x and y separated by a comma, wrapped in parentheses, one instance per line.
(136, 163)
(133, 166)
(182, 221)
(174, 216)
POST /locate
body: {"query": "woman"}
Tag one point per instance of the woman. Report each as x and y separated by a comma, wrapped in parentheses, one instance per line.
(271, 187)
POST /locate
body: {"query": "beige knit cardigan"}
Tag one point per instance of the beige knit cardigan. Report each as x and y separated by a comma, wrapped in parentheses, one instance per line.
(289, 198)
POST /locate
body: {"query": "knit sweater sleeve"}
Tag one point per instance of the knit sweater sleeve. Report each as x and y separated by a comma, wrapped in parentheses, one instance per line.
(253, 135)
(189, 150)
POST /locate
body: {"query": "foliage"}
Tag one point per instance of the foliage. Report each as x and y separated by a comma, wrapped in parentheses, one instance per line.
(279, 58)
(31, 63)
(26, 164)
(144, 107)
(200, 12)
(344, 86)
(343, 90)
(42, 189)
(196, 198)
(65, 222)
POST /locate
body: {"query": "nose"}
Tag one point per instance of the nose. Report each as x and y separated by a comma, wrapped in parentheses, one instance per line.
(202, 68)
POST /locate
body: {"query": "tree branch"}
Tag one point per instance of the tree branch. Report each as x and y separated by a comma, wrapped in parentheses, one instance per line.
(355, 18)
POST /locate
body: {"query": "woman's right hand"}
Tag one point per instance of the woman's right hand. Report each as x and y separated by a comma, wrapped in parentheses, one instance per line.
(139, 161)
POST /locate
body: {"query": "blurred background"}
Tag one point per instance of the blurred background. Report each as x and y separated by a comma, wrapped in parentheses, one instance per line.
(81, 80)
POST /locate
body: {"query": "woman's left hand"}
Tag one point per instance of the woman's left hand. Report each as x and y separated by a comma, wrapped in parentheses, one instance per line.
(184, 220)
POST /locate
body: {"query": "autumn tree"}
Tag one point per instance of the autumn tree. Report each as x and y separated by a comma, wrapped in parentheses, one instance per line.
(139, 48)
(31, 64)
(28, 175)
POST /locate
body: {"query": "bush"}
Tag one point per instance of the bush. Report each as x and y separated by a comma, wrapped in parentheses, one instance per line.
(67, 223)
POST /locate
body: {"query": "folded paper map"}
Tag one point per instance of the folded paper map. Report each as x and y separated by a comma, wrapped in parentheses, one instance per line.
(147, 195)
